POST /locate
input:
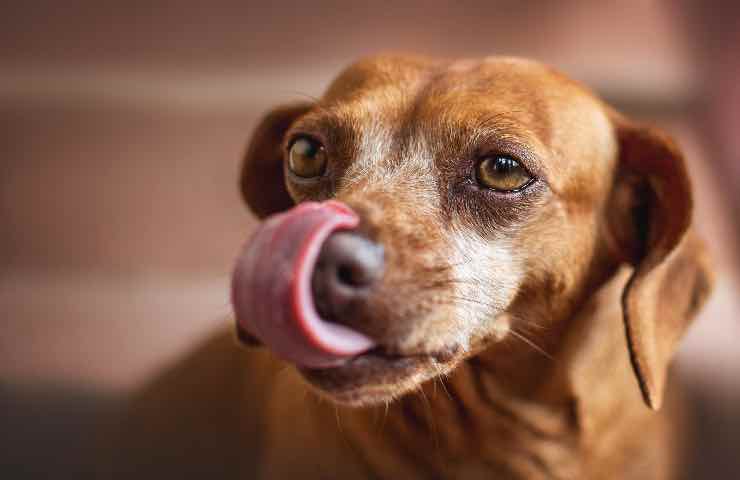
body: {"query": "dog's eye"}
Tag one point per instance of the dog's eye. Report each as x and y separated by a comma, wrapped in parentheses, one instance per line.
(502, 173)
(307, 158)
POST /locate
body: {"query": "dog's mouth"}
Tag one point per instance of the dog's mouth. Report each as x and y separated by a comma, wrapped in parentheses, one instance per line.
(377, 375)
(272, 299)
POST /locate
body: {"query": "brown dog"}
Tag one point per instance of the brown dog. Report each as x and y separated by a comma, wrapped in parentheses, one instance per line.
(518, 275)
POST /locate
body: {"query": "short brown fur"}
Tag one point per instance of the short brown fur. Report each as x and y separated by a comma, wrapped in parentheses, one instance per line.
(534, 366)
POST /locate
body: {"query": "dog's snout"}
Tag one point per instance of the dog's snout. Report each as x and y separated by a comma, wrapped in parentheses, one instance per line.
(348, 266)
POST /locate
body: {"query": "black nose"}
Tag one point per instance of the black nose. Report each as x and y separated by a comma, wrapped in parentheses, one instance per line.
(347, 268)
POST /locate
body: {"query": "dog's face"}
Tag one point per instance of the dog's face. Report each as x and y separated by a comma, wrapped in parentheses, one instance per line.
(495, 189)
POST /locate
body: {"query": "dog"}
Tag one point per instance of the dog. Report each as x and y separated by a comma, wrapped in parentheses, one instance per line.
(468, 269)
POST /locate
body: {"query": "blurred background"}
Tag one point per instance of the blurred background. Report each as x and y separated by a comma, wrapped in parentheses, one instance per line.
(121, 130)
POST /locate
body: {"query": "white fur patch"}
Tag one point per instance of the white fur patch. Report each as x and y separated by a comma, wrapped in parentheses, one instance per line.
(487, 275)
(385, 162)
(374, 145)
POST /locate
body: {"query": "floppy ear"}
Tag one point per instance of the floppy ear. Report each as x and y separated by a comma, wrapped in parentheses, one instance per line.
(262, 183)
(650, 215)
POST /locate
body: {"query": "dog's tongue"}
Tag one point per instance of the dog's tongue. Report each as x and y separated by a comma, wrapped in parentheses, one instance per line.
(271, 287)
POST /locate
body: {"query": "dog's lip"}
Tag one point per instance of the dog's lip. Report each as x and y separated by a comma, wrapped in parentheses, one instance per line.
(357, 371)
(376, 354)
(392, 355)
(380, 363)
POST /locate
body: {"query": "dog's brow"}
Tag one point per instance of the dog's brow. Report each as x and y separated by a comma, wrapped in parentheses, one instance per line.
(491, 134)
(503, 131)
(319, 116)
(329, 125)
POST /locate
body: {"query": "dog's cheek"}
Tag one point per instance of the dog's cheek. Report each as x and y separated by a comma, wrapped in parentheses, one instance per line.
(487, 274)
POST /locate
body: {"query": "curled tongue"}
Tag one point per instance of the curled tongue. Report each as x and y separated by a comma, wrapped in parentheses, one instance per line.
(271, 287)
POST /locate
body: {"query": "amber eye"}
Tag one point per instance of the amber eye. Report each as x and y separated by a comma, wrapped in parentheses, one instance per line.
(307, 158)
(502, 173)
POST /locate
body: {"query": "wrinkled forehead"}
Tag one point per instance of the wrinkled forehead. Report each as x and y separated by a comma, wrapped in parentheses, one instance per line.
(388, 105)
(457, 92)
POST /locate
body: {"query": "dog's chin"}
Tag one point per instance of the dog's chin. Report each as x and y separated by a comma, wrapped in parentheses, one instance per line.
(375, 377)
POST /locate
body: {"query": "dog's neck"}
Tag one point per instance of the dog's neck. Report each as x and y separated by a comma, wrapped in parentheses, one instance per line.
(518, 414)
(467, 424)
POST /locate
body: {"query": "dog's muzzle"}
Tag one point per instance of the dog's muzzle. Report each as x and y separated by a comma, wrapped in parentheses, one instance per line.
(295, 260)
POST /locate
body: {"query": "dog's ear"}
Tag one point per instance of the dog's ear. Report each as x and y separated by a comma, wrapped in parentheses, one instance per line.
(262, 183)
(649, 216)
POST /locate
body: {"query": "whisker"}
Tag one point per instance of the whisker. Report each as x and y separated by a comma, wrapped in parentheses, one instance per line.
(535, 325)
(442, 382)
(447, 282)
(385, 415)
(529, 342)
(430, 417)
(461, 263)
(473, 301)
(526, 323)
(339, 420)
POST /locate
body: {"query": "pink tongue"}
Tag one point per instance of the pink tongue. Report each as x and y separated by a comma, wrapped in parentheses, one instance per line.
(271, 287)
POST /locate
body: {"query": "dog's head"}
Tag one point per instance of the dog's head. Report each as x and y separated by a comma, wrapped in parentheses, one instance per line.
(472, 203)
